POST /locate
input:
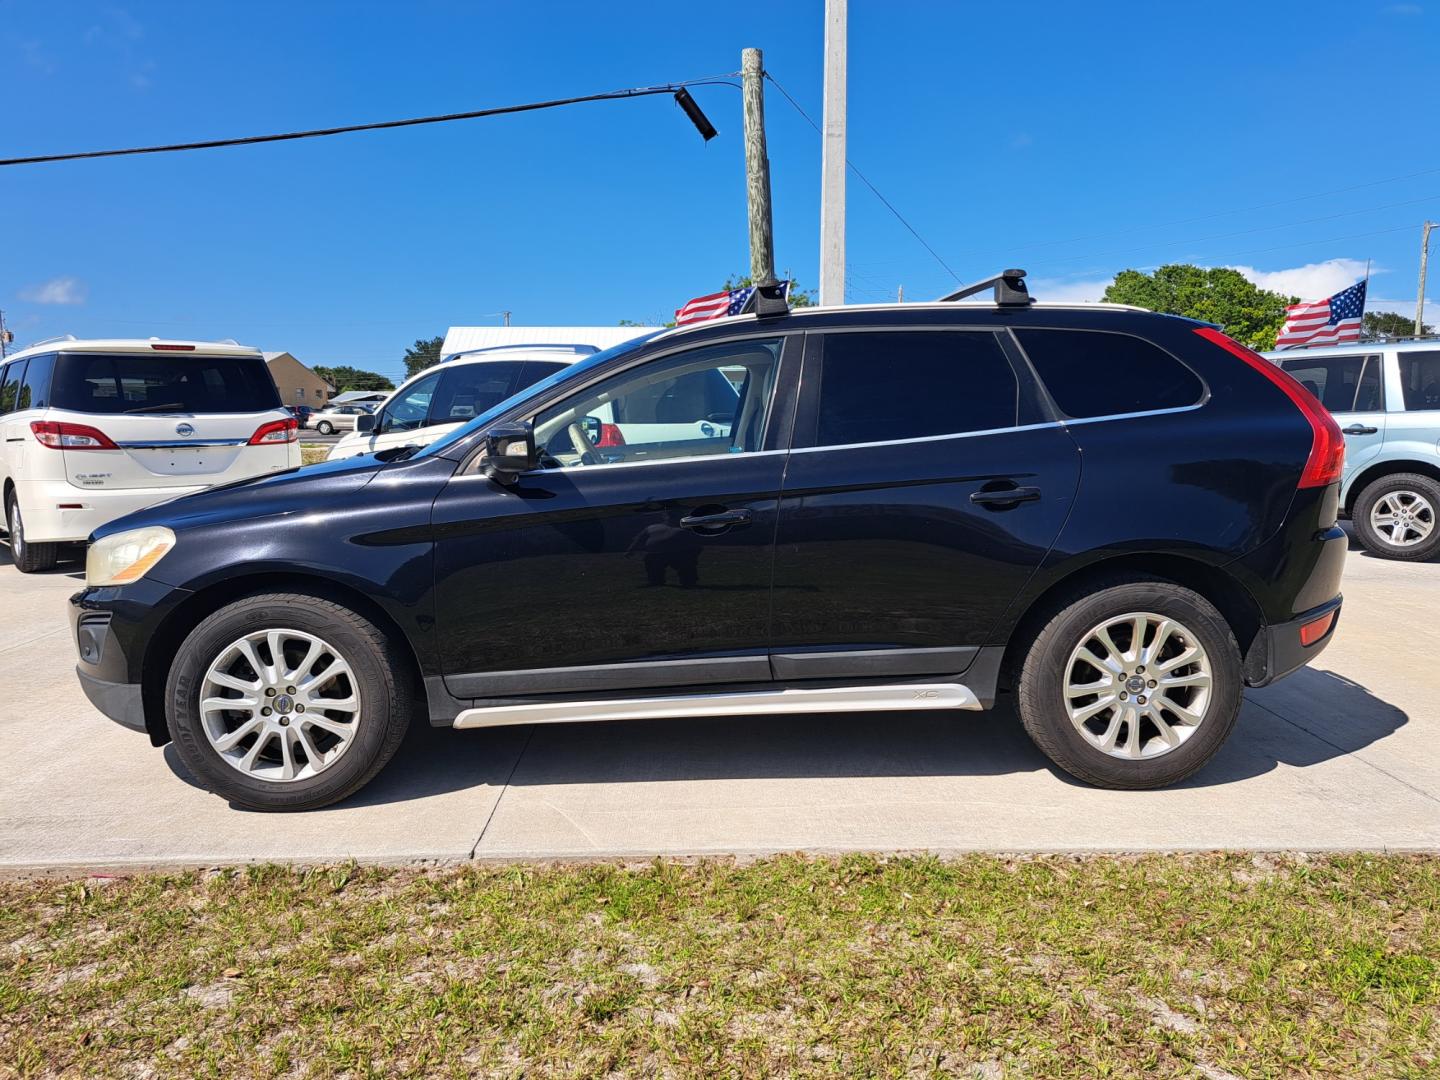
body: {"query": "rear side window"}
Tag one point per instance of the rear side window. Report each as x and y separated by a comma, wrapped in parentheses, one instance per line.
(883, 386)
(140, 383)
(1342, 383)
(1097, 373)
(1420, 376)
(10, 377)
(467, 390)
(35, 386)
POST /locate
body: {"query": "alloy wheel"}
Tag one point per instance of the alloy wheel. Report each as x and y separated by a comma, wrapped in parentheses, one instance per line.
(280, 705)
(1403, 518)
(1138, 685)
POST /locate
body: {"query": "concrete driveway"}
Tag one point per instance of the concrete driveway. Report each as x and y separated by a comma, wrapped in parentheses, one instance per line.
(1346, 756)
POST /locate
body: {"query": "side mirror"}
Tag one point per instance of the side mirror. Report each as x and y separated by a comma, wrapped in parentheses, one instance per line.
(509, 451)
(365, 422)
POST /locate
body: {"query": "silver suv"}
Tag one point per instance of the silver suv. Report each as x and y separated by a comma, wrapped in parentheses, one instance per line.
(1386, 399)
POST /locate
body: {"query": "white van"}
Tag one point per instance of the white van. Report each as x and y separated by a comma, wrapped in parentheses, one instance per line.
(457, 389)
(93, 430)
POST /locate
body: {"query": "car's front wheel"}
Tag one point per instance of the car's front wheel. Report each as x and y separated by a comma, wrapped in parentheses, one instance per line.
(29, 558)
(287, 701)
(324, 427)
(1135, 685)
(1395, 516)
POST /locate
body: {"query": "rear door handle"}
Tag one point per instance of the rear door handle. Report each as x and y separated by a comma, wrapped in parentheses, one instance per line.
(1360, 429)
(998, 500)
(723, 520)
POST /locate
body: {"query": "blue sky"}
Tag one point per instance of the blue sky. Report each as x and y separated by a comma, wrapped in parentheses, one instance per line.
(1074, 140)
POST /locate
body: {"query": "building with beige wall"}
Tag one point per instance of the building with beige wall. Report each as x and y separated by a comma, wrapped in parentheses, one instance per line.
(298, 385)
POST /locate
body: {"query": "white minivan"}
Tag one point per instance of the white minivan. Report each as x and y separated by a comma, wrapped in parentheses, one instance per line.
(457, 389)
(93, 430)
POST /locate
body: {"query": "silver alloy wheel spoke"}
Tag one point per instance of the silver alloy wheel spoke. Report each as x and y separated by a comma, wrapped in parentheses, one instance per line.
(1403, 518)
(1137, 685)
(270, 714)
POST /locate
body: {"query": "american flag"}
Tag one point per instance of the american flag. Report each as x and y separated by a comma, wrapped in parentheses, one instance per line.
(1324, 322)
(719, 304)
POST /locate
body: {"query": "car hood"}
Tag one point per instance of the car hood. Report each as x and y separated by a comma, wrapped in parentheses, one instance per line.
(307, 488)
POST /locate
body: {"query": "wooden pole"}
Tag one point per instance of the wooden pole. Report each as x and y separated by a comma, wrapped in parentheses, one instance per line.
(832, 159)
(757, 169)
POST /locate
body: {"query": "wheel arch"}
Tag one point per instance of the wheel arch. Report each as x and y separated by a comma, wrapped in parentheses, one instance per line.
(1380, 469)
(1231, 599)
(178, 624)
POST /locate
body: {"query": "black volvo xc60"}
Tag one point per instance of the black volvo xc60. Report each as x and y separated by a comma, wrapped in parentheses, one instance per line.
(1123, 517)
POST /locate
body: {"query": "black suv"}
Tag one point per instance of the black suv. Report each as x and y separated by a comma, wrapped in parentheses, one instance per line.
(1124, 517)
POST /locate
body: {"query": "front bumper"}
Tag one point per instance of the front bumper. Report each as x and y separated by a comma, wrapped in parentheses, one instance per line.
(121, 702)
(1279, 649)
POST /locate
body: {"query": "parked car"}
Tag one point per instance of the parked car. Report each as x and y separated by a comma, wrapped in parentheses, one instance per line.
(892, 516)
(340, 418)
(93, 430)
(1386, 399)
(302, 414)
(453, 392)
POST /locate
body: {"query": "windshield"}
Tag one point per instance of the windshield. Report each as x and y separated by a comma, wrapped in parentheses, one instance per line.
(570, 371)
(161, 383)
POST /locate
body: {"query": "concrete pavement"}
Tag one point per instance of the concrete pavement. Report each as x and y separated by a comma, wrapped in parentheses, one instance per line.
(1343, 756)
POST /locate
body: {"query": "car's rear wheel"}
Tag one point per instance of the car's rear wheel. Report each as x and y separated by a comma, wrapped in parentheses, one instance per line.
(1396, 516)
(28, 558)
(1135, 685)
(287, 702)
(324, 427)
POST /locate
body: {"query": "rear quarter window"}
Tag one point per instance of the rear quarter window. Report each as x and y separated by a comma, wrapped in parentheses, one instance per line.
(1099, 373)
(1420, 378)
(107, 383)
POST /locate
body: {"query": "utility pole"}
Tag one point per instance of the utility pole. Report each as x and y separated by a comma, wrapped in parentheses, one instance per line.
(757, 169)
(4, 336)
(832, 161)
(1424, 258)
(506, 316)
(900, 295)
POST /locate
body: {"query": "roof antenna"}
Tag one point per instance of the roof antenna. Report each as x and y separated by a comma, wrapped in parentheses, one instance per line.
(1010, 290)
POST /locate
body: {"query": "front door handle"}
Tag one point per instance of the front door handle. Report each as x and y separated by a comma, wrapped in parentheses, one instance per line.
(999, 500)
(725, 519)
(1360, 429)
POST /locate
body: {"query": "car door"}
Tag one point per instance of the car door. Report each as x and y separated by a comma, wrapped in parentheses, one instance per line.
(642, 564)
(1350, 385)
(925, 486)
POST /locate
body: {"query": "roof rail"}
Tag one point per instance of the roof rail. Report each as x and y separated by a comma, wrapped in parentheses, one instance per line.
(1009, 285)
(51, 340)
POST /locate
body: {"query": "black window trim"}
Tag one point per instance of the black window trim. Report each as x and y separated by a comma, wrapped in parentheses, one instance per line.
(778, 428)
(1066, 419)
(1029, 391)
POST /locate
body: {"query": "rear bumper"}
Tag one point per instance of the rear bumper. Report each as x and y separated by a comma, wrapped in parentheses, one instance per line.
(56, 511)
(1279, 649)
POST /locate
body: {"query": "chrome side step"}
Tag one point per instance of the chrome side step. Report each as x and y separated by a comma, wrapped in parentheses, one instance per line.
(903, 696)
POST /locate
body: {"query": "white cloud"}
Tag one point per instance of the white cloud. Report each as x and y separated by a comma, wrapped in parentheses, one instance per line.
(60, 290)
(1057, 291)
(1313, 281)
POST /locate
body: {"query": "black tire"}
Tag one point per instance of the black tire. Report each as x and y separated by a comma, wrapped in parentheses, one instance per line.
(381, 684)
(324, 427)
(28, 558)
(1042, 701)
(1397, 484)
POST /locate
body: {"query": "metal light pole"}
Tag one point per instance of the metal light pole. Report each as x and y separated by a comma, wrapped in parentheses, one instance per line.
(832, 162)
(1424, 258)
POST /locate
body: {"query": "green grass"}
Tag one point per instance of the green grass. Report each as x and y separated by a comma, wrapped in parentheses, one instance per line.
(1153, 966)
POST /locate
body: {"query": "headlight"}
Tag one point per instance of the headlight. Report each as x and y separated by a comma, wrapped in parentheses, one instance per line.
(125, 557)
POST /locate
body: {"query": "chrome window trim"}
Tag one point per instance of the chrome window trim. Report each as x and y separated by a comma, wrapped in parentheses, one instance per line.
(180, 442)
(631, 464)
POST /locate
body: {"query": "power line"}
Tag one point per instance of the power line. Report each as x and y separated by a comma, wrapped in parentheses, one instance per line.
(208, 144)
(866, 181)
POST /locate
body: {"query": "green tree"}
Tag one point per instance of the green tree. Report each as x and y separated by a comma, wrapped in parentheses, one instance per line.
(1385, 325)
(423, 354)
(348, 378)
(1249, 314)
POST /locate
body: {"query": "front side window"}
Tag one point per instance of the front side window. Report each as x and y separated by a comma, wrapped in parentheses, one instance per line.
(409, 409)
(881, 386)
(162, 383)
(1338, 381)
(1420, 377)
(707, 401)
(1099, 373)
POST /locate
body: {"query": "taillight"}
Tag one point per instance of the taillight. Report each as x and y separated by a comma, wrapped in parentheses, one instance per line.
(60, 436)
(610, 435)
(275, 431)
(1327, 445)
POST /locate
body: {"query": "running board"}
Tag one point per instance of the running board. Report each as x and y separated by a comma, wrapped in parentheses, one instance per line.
(904, 696)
